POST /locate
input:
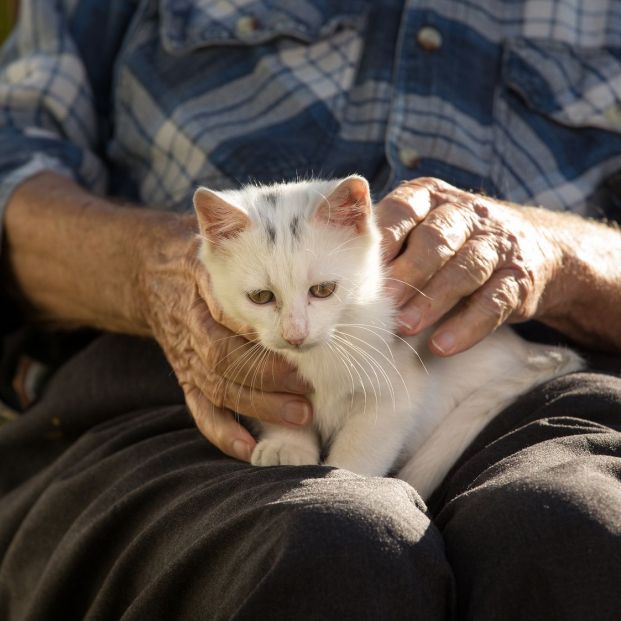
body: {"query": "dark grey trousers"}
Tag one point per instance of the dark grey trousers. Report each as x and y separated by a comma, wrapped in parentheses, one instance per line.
(113, 506)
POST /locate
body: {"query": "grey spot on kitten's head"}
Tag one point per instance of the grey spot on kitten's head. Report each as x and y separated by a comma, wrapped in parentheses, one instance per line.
(294, 227)
(271, 232)
(270, 198)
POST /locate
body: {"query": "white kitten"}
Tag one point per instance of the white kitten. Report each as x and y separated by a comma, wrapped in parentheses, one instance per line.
(301, 264)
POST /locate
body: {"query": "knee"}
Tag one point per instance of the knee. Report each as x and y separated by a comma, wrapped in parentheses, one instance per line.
(360, 545)
(550, 541)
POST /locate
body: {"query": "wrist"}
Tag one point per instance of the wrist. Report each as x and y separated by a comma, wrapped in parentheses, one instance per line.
(559, 271)
(166, 251)
(584, 290)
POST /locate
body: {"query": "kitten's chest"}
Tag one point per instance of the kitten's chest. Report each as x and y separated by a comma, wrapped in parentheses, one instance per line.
(335, 393)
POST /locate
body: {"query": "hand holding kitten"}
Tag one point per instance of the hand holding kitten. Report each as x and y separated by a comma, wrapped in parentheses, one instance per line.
(208, 351)
(449, 249)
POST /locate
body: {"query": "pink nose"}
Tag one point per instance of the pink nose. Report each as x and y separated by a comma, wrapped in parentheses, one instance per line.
(295, 341)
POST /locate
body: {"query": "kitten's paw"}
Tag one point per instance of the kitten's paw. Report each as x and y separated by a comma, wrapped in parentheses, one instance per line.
(275, 452)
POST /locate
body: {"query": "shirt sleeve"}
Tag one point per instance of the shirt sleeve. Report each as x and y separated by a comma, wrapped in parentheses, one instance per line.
(47, 114)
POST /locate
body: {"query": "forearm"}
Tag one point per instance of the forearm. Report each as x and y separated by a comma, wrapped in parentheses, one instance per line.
(583, 300)
(75, 259)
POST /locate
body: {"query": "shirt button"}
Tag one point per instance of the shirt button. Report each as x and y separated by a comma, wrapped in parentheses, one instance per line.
(613, 114)
(246, 25)
(429, 39)
(409, 157)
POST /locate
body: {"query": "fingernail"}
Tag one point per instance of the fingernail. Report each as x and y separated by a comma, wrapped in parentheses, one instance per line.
(444, 342)
(242, 450)
(296, 412)
(410, 319)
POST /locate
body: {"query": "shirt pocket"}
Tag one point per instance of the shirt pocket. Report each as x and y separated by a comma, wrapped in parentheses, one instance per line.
(248, 92)
(557, 122)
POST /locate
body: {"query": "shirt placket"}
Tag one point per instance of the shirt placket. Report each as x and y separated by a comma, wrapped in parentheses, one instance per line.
(415, 67)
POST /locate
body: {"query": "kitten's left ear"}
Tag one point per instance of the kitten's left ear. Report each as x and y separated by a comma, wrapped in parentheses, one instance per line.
(348, 205)
(218, 219)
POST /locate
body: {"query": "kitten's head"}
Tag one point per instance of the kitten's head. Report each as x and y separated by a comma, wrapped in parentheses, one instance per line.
(290, 259)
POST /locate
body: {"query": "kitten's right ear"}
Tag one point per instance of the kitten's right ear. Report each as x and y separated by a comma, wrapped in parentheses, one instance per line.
(218, 219)
(349, 204)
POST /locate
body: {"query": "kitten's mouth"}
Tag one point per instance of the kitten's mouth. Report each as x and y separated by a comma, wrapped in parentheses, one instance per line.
(301, 348)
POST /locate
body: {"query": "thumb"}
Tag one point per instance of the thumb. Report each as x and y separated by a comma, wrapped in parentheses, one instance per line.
(397, 214)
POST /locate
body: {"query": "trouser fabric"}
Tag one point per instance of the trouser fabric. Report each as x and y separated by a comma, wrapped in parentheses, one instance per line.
(113, 506)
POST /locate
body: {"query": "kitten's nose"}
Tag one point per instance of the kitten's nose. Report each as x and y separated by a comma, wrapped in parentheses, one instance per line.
(295, 341)
(295, 327)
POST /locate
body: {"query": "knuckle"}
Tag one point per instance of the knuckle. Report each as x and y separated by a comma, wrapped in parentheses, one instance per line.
(525, 300)
(492, 306)
(525, 280)
(436, 188)
(497, 302)
(431, 183)
(434, 232)
(219, 355)
(400, 195)
(481, 208)
(472, 273)
(216, 391)
(522, 279)
(474, 264)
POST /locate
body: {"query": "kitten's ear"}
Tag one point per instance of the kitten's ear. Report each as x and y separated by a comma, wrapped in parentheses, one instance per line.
(348, 205)
(218, 219)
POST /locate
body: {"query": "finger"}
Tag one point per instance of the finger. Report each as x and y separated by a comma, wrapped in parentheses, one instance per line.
(269, 407)
(250, 364)
(462, 275)
(219, 426)
(487, 309)
(233, 355)
(430, 246)
(214, 310)
(398, 213)
(434, 186)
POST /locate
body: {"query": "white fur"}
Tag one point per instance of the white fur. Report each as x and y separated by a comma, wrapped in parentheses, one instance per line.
(377, 404)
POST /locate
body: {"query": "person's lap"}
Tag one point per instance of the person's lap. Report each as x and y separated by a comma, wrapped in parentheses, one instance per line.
(112, 505)
(531, 515)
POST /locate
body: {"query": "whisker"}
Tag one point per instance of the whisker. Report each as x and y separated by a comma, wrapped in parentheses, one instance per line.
(409, 285)
(257, 370)
(390, 362)
(345, 364)
(233, 368)
(352, 360)
(356, 349)
(375, 366)
(379, 336)
(233, 336)
(243, 382)
(360, 325)
(245, 344)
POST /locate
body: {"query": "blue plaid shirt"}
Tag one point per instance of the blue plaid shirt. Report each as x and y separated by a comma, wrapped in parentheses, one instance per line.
(146, 99)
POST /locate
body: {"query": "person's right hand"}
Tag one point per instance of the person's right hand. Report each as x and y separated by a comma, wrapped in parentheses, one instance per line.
(220, 366)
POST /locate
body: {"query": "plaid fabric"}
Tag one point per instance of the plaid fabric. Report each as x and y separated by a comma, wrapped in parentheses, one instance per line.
(146, 99)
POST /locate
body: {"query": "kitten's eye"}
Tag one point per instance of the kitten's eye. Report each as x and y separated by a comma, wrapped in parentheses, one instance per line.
(260, 296)
(323, 289)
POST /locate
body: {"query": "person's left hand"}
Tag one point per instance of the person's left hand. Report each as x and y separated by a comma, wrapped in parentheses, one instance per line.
(446, 249)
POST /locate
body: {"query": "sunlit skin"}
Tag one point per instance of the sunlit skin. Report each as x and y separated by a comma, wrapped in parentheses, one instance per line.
(76, 259)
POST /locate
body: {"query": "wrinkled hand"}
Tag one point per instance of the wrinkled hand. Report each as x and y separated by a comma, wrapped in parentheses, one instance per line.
(220, 366)
(485, 260)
